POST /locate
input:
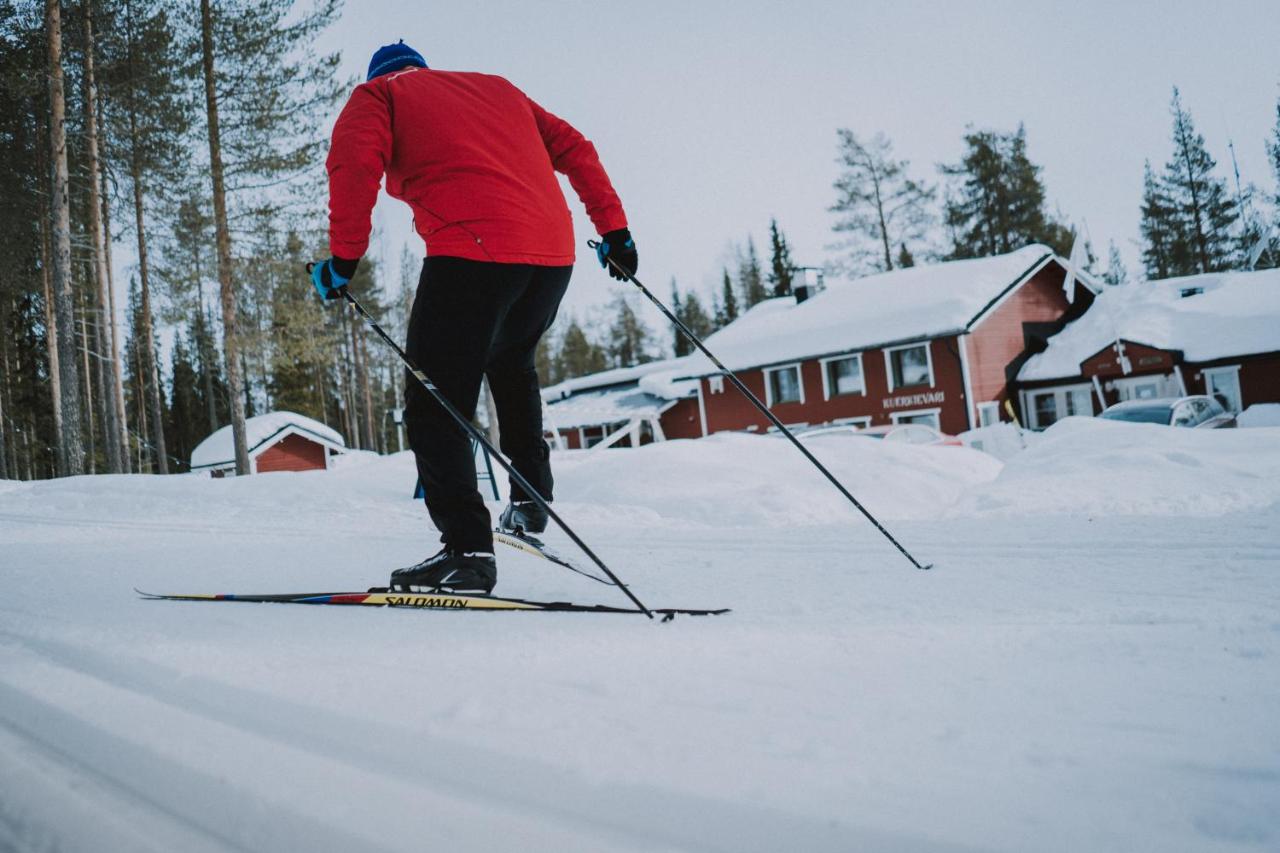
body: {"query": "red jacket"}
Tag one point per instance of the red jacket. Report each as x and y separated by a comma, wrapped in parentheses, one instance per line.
(475, 159)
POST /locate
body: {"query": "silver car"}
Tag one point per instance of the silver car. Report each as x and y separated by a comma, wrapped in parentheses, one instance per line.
(1196, 412)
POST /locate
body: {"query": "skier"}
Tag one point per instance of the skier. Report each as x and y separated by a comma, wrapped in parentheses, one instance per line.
(475, 159)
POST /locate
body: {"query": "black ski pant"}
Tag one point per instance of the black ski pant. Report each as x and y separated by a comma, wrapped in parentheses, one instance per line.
(472, 319)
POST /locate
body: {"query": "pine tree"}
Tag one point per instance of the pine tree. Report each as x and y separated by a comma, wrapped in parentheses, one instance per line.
(781, 267)
(905, 258)
(1201, 203)
(880, 205)
(679, 344)
(750, 276)
(696, 318)
(262, 82)
(1161, 229)
(997, 204)
(629, 337)
(579, 356)
(72, 456)
(1116, 273)
(185, 423)
(727, 305)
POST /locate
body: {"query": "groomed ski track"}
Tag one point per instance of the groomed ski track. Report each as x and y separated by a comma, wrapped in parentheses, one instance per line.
(1058, 684)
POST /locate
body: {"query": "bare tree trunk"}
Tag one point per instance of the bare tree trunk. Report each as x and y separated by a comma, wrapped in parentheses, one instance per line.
(72, 445)
(228, 295)
(88, 386)
(362, 387)
(4, 391)
(117, 363)
(51, 331)
(152, 370)
(110, 428)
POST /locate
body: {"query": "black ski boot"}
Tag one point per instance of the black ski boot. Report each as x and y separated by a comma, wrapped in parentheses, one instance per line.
(450, 571)
(523, 517)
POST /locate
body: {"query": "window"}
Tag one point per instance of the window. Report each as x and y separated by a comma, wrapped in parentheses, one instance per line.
(928, 418)
(783, 385)
(1047, 407)
(1044, 408)
(909, 367)
(1223, 385)
(843, 376)
(988, 414)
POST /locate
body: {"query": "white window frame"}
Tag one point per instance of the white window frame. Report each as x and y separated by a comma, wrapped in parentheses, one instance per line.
(1231, 370)
(915, 413)
(826, 379)
(1059, 401)
(1124, 386)
(992, 406)
(715, 384)
(888, 364)
(768, 384)
(860, 422)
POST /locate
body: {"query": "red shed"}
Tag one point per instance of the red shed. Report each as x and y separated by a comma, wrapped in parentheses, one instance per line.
(278, 441)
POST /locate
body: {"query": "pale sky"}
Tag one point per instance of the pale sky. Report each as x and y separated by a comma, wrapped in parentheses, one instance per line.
(713, 116)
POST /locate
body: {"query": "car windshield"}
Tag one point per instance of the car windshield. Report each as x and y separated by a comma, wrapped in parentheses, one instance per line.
(1140, 415)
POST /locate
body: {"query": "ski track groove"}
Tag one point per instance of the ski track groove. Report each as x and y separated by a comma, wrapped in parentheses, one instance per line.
(619, 812)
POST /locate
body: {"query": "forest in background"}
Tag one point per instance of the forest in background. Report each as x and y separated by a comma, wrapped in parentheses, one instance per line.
(191, 136)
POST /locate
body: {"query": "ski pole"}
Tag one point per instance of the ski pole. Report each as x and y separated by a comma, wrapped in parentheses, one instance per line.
(483, 439)
(755, 401)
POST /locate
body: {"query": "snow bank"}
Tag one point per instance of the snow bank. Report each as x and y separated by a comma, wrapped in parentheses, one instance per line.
(1089, 466)
(1260, 415)
(1002, 441)
(736, 479)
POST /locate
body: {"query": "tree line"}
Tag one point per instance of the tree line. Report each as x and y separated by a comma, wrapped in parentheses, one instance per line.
(189, 135)
(993, 201)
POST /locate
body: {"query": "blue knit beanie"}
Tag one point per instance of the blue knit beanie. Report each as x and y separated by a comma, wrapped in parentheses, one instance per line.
(393, 57)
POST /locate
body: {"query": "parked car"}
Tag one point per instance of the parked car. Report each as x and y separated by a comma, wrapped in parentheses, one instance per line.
(905, 433)
(1195, 412)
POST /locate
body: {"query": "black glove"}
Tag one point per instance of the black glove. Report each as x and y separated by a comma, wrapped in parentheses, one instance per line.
(618, 246)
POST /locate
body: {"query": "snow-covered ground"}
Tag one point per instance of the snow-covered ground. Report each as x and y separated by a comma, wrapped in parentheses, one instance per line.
(1093, 665)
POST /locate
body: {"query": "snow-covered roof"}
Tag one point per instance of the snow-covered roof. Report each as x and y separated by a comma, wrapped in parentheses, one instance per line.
(1236, 313)
(910, 304)
(613, 405)
(219, 448)
(605, 379)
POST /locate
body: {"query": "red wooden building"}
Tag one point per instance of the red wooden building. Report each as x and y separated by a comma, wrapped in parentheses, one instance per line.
(938, 344)
(1215, 334)
(278, 441)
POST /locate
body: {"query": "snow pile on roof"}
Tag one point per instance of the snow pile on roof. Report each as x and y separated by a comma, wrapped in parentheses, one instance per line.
(607, 406)
(1236, 314)
(1096, 467)
(219, 448)
(909, 304)
(604, 379)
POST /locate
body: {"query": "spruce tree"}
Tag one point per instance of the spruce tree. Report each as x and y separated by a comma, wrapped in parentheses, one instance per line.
(679, 344)
(696, 318)
(905, 258)
(579, 356)
(186, 421)
(781, 267)
(1116, 273)
(997, 202)
(1161, 229)
(727, 306)
(629, 337)
(1202, 205)
(880, 205)
(750, 276)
